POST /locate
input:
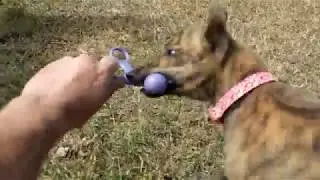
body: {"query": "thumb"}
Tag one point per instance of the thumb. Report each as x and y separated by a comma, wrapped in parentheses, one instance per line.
(117, 82)
(108, 65)
(113, 85)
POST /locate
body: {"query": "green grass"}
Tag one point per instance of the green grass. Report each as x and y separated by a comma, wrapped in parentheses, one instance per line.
(133, 137)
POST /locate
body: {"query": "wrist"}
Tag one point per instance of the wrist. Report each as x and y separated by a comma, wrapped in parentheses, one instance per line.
(27, 133)
(44, 115)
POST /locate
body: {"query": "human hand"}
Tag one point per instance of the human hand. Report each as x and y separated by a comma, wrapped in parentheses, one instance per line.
(73, 89)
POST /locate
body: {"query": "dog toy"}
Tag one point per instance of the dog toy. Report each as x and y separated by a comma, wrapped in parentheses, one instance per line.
(154, 83)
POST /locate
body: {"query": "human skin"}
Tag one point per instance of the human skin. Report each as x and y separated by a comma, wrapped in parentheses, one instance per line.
(60, 97)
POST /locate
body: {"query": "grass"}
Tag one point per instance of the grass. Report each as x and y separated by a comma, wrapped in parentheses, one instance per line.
(133, 137)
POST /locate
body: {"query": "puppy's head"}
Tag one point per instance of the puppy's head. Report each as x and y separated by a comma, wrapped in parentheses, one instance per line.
(193, 59)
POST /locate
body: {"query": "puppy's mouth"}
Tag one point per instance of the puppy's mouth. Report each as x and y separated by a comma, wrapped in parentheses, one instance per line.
(137, 78)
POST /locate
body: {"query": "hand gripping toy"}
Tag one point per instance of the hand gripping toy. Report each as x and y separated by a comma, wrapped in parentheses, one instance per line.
(154, 84)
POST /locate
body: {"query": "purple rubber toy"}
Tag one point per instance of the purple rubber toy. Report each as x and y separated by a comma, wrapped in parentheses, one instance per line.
(155, 84)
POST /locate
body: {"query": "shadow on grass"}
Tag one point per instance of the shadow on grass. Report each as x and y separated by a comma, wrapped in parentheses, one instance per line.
(28, 42)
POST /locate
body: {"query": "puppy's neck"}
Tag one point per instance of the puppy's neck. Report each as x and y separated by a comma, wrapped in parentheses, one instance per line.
(240, 63)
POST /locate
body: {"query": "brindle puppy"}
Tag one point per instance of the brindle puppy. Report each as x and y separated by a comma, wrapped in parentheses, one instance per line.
(271, 133)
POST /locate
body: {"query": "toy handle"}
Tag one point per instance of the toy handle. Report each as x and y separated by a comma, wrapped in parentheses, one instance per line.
(123, 63)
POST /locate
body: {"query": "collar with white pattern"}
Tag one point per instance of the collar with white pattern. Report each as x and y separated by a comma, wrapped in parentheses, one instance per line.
(236, 92)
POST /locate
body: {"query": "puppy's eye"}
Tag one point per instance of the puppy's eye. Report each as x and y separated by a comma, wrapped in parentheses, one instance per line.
(171, 52)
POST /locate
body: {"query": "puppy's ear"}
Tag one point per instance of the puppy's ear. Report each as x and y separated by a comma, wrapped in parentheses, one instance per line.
(216, 33)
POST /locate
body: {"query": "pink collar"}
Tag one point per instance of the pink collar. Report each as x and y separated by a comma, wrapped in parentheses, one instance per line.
(236, 92)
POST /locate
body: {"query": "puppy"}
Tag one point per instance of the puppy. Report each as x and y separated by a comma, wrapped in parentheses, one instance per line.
(272, 130)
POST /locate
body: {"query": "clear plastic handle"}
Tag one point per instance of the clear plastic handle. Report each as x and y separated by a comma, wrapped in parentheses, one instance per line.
(123, 63)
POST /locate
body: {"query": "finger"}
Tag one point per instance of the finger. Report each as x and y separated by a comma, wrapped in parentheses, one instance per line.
(109, 65)
(82, 51)
(89, 57)
(114, 84)
(118, 82)
(64, 58)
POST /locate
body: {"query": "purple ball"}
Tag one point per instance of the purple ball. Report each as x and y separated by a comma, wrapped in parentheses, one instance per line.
(155, 84)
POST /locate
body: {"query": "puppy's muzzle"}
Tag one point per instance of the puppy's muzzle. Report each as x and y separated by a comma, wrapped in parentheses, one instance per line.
(137, 76)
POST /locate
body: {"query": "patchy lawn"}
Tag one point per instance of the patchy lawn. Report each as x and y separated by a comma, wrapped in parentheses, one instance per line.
(132, 136)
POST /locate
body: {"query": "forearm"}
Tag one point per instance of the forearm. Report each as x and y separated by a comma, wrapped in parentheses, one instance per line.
(27, 133)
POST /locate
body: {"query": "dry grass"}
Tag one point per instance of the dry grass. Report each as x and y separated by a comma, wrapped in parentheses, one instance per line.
(132, 136)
